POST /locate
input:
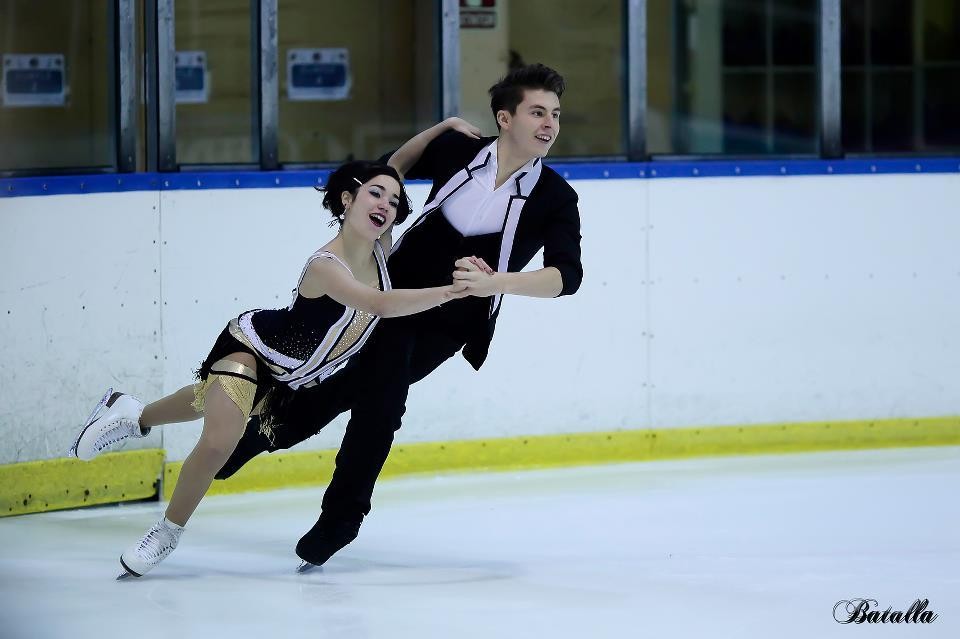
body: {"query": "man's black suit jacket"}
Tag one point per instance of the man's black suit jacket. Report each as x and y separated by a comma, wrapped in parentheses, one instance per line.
(550, 220)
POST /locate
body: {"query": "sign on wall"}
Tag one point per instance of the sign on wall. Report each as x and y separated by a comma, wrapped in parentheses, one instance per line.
(34, 79)
(192, 81)
(318, 74)
(478, 14)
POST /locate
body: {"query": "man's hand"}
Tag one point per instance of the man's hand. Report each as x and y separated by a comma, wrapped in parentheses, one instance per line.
(477, 281)
(462, 126)
(481, 264)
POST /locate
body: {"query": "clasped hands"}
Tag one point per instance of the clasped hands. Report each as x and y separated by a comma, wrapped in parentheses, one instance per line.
(473, 276)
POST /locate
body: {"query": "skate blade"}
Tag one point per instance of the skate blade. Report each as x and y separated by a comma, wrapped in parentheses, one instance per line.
(72, 451)
(96, 411)
(127, 573)
(306, 566)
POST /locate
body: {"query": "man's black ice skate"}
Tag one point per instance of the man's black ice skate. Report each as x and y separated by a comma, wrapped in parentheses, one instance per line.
(326, 537)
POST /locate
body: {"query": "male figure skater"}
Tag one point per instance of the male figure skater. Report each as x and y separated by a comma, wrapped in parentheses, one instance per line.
(491, 198)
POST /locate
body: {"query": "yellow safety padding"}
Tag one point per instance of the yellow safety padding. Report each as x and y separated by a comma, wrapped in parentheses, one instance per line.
(283, 470)
(55, 484)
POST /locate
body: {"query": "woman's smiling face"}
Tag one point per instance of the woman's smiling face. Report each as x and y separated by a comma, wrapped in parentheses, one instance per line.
(374, 209)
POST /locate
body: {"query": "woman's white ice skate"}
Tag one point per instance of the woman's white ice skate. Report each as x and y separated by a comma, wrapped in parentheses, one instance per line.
(115, 419)
(153, 547)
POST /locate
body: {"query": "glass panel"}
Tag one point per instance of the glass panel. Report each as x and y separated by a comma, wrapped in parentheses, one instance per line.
(581, 40)
(941, 107)
(852, 104)
(941, 79)
(357, 77)
(891, 34)
(892, 111)
(744, 31)
(941, 30)
(214, 123)
(900, 95)
(55, 111)
(745, 113)
(794, 125)
(853, 20)
(794, 33)
(733, 77)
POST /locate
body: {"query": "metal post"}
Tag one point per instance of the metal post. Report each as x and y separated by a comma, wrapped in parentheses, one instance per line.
(769, 121)
(113, 78)
(255, 87)
(450, 58)
(125, 81)
(919, 141)
(680, 78)
(166, 87)
(636, 70)
(867, 78)
(831, 141)
(266, 85)
(150, 86)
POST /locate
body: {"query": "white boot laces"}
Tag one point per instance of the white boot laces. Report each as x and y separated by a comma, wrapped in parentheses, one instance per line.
(156, 543)
(121, 430)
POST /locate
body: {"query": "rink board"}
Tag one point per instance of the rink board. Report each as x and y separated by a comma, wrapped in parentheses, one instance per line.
(134, 475)
(705, 302)
(311, 468)
(55, 484)
(798, 295)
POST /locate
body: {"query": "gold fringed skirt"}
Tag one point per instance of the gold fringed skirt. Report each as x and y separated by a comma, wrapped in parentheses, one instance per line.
(254, 392)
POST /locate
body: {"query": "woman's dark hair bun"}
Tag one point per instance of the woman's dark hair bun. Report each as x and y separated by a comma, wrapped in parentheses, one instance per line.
(350, 176)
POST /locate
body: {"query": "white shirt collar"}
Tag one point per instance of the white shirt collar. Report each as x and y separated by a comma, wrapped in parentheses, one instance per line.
(525, 177)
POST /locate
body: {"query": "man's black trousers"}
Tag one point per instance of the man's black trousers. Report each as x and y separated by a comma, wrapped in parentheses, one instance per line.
(374, 388)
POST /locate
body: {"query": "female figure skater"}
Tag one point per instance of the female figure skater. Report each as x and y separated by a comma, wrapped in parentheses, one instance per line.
(262, 357)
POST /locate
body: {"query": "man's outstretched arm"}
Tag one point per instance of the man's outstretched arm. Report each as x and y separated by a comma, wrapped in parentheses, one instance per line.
(544, 282)
(404, 158)
(562, 271)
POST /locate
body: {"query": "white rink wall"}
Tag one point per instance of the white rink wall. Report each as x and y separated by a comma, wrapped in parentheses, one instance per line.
(79, 311)
(706, 301)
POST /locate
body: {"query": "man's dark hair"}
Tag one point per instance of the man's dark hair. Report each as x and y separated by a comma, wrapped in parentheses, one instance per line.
(507, 94)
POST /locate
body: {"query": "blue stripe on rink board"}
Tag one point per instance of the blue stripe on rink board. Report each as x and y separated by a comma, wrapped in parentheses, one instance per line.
(187, 181)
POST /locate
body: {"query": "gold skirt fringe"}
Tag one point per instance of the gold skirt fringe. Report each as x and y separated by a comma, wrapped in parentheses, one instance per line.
(241, 390)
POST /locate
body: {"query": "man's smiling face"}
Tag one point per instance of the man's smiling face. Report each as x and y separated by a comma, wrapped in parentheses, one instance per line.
(534, 127)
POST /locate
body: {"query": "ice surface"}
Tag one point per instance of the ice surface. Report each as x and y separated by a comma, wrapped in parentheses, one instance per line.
(731, 547)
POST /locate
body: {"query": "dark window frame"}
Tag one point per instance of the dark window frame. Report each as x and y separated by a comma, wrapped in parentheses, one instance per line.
(158, 148)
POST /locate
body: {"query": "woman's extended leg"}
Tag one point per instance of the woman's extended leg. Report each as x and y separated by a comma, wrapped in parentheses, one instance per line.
(172, 409)
(120, 416)
(226, 401)
(223, 425)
